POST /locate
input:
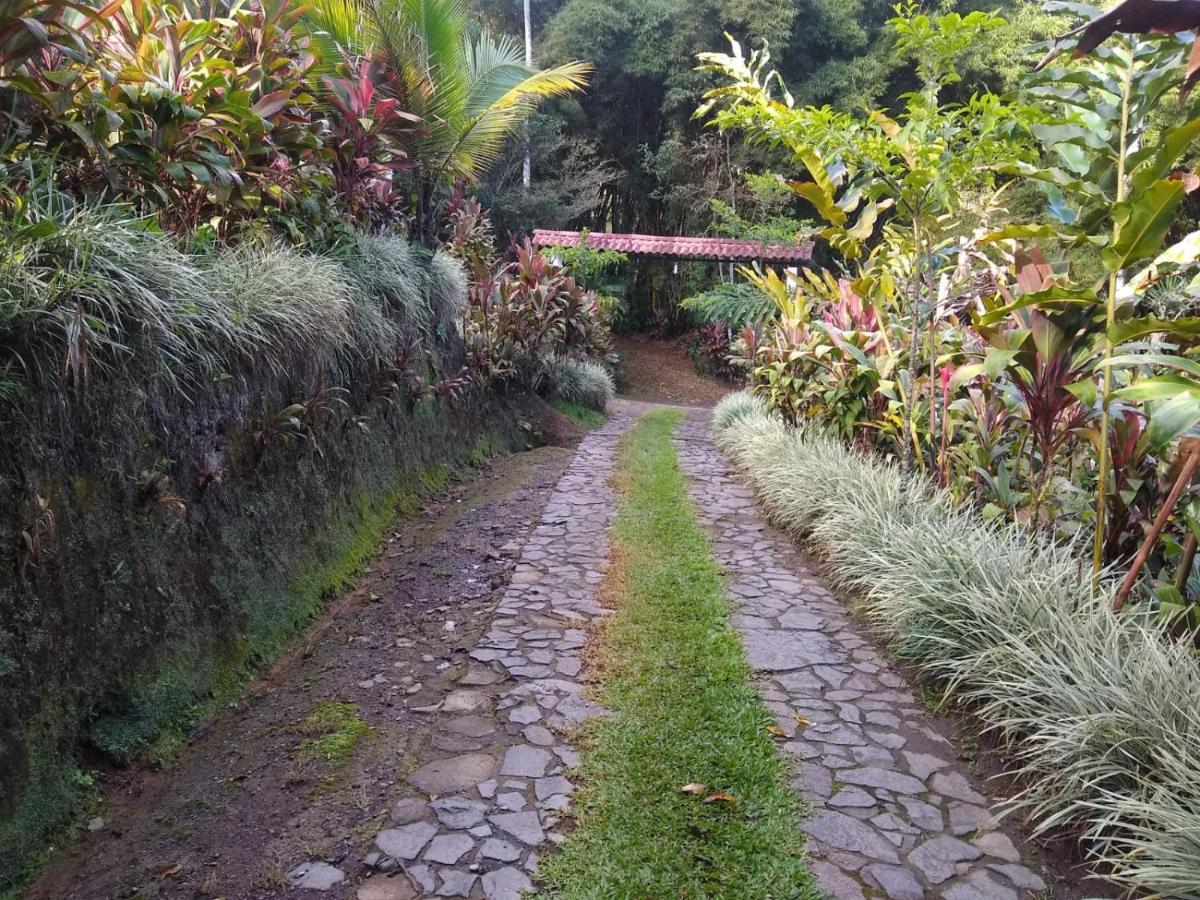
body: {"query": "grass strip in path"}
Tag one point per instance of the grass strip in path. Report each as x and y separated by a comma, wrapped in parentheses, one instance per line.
(684, 713)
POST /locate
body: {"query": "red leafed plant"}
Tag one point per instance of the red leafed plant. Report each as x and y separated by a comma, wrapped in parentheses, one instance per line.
(366, 153)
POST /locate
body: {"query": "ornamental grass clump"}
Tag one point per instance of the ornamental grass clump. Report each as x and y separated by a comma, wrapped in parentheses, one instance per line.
(734, 408)
(579, 381)
(94, 286)
(1098, 709)
(447, 288)
(292, 310)
(93, 289)
(385, 269)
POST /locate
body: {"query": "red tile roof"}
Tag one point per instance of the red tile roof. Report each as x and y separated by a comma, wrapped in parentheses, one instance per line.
(713, 248)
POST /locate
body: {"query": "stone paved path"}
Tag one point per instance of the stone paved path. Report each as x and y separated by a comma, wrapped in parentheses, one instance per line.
(503, 736)
(892, 815)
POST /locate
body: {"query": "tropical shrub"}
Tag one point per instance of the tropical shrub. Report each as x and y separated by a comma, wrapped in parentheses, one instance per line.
(586, 264)
(1007, 361)
(580, 382)
(524, 313)
(1097, 708)
(737, 305)
(469, 90)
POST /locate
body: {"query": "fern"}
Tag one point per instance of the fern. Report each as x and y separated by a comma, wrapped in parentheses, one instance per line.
(734, 304)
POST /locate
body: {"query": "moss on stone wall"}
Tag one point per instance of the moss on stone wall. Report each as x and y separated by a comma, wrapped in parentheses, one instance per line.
(173, 566)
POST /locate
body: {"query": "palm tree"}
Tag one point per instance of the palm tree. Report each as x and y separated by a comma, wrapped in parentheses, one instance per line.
(471, 91)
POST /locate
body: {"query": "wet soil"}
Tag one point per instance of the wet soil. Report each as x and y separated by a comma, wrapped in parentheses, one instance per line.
(244, 804)
(656, 371)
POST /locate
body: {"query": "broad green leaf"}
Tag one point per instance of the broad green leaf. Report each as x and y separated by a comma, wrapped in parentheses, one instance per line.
(1171, 419)
(866, 220)
(1084, 391)
(821, 199)
(1163, 360)
(1019, 233)
(964, 374)
(1141, 224)
(1050, 135)
(816, 168)
(1182, 253)
(997, 361)
(1058, 294)
(1155, 162)
(1160, 387)
(1134, 329)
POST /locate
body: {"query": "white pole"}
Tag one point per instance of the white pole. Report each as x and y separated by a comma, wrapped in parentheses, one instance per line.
(526, 172)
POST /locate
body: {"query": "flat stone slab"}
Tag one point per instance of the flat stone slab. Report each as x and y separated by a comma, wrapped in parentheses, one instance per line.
(938, 857)
(457, 883)
(496, 848)
(471, 726)
(779, 651)
(409, 809)
(315, 876)
(526, 827)
(895, 881)
(448, 848)
(527, 761)
(466, 700)
(386, 887)
(458, 812)
(847, 833)
(505, 884)
(458, 773)
(405, 842)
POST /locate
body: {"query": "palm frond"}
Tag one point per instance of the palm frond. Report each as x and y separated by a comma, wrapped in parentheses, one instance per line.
(335, 27)
(484, 133)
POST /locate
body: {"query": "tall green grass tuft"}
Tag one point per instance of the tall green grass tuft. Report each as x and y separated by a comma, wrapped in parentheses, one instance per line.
(89, 290)
(1100, 711)
(284, 307)
(88, 286)
(447, 288)
(386, 269)
(580, 382)
(735, 407)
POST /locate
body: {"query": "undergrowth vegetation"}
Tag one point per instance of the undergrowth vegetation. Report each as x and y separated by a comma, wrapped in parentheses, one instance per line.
(996, 270)
(581, 382)
(583, 416)
(685, 715)
(1096, 707)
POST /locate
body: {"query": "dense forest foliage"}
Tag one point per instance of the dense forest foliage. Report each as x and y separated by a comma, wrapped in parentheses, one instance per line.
(629, 156)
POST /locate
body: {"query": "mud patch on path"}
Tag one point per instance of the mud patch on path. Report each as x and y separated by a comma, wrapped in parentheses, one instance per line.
(308, 764)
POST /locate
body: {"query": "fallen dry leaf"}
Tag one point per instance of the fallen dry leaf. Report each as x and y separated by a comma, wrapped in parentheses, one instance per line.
(694, 788)
(803, 720)
(724, 796)
(776, 730)
(168, 871)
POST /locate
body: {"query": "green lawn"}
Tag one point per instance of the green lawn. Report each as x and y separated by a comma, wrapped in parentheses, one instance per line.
(683, 713)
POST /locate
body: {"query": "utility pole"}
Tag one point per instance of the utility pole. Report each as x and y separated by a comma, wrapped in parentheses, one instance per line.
(527, 171)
